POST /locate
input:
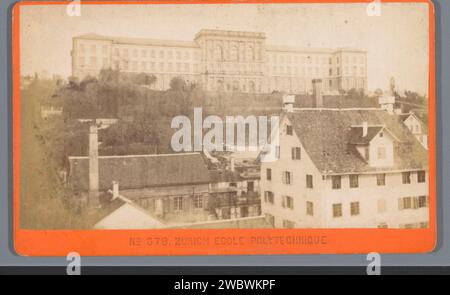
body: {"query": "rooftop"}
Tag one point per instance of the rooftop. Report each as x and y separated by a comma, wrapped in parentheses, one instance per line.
(326, 135)
(140, 171)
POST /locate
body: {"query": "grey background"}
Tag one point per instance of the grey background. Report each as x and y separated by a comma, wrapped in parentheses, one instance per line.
(440, 257)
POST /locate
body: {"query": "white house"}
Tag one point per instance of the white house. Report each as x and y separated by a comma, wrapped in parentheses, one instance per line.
(345, 168)
(417, 127)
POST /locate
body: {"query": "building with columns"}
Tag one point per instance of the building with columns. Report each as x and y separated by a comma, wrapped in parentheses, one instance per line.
(219, 60)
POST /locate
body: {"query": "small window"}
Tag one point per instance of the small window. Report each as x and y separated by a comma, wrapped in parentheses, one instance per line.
(309, 181)
(269, 174)
(405, 203)
(269, 197)
(198, 202)
(277, 152)
(178, 203)
(423, 202)
(310, 208)
(337, 210)
(287, 202)
(336, 182)
(354, 181)
(287, 177)
(296, 153)
(381, 179)
(406, 177)
(289, 130)
(354, 208)
(421, 176)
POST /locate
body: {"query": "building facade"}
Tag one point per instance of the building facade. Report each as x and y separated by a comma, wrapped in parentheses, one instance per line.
(220, 60)
(346, 168)
(172, 188)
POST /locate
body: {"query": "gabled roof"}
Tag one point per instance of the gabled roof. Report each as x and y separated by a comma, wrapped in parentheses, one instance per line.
(326, 135)
(357, 134)
(141, 171)
(112, 218)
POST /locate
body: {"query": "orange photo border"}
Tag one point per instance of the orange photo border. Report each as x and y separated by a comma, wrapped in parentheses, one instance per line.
(221, 241)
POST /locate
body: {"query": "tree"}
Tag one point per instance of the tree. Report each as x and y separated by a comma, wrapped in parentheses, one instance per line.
(177, 84)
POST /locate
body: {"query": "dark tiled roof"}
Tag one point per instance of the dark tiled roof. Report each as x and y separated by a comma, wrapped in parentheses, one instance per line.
(325, 134)
(356, 134)
(141, 171)
(224, 176)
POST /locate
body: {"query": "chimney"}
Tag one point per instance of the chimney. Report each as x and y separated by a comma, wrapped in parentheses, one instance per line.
(93, 167)
(288, 103)
(115, 185)
(317, 93)
(232, 164)
(365, 128)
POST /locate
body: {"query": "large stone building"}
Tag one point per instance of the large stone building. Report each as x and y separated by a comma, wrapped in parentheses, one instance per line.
(220, 60)
(345, 168)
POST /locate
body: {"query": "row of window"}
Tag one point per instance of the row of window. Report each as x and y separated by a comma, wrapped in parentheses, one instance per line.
(287, 202)
(236, 53)
(317, 59)
(337, 209)
(288, 70)
(142, 53)
(142, 66)
(92, 48)
(218, 54)
(153, 53)
(235, 68)
(287, 177)
(336, 180)
(291, 224)
(179, 202)
(413, 202)
(403, 204)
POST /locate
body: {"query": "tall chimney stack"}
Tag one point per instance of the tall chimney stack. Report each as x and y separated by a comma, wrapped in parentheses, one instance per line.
(93, 167)
(317, 93)
(115, 185)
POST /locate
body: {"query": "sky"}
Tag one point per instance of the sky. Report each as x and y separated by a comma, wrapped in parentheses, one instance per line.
(397, 41)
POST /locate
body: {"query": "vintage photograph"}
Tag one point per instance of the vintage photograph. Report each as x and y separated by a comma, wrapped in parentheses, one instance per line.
(215, 116)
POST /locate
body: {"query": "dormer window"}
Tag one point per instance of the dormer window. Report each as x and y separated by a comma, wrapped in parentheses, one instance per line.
(374, 143)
